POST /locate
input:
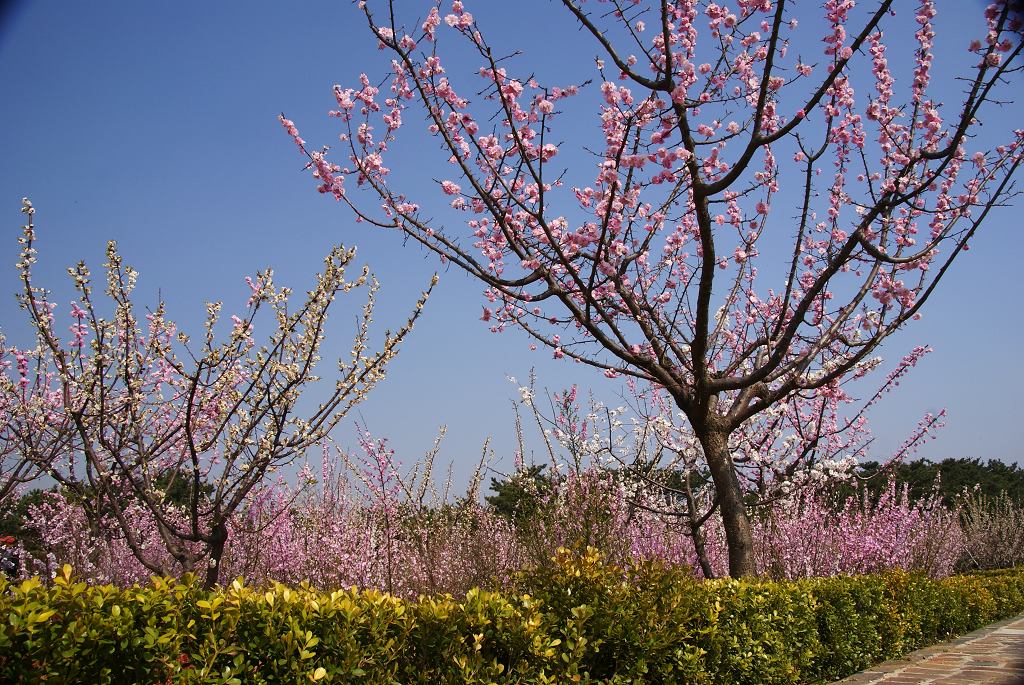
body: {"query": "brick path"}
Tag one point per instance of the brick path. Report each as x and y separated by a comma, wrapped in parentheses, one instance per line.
(990, 656)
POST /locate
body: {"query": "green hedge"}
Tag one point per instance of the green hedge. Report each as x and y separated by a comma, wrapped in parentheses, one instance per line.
(578, 620)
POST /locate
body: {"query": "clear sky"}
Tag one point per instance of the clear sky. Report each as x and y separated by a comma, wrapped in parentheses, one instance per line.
(154, 124)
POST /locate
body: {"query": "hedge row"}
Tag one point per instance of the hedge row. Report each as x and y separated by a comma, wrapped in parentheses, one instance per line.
(576, 621)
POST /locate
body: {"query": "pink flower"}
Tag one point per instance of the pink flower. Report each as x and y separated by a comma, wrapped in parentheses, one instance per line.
(432, 22)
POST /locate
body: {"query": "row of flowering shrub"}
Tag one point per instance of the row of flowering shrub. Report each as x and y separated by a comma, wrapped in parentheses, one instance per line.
(336, 536)
(579, 619)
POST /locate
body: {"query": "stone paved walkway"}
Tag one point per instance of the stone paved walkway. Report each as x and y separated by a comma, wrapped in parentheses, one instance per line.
(990, 656)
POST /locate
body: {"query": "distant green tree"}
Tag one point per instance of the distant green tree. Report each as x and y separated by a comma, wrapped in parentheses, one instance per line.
(14, 520)
(518, 496)
(177, 488)
(954, 475)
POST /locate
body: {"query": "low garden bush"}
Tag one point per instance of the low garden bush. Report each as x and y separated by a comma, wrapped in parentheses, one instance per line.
(578, 619)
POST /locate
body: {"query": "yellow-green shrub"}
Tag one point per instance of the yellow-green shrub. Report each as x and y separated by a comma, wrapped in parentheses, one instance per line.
(576, 620)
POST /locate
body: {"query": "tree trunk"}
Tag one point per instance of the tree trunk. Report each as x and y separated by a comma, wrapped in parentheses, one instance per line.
(702, 552)
(218, 538)
(695, 529)
(738, 536)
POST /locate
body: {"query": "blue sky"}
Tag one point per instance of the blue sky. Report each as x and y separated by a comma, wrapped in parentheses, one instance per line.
(154, 124)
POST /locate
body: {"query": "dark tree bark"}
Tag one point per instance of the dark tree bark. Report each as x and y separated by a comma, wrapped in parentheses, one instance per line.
(218, 539)
(735, 521)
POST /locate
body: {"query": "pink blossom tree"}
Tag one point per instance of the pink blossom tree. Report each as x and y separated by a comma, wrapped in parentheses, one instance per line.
(791, 453)
(31, 413)
(676, 257)
(139, 411)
